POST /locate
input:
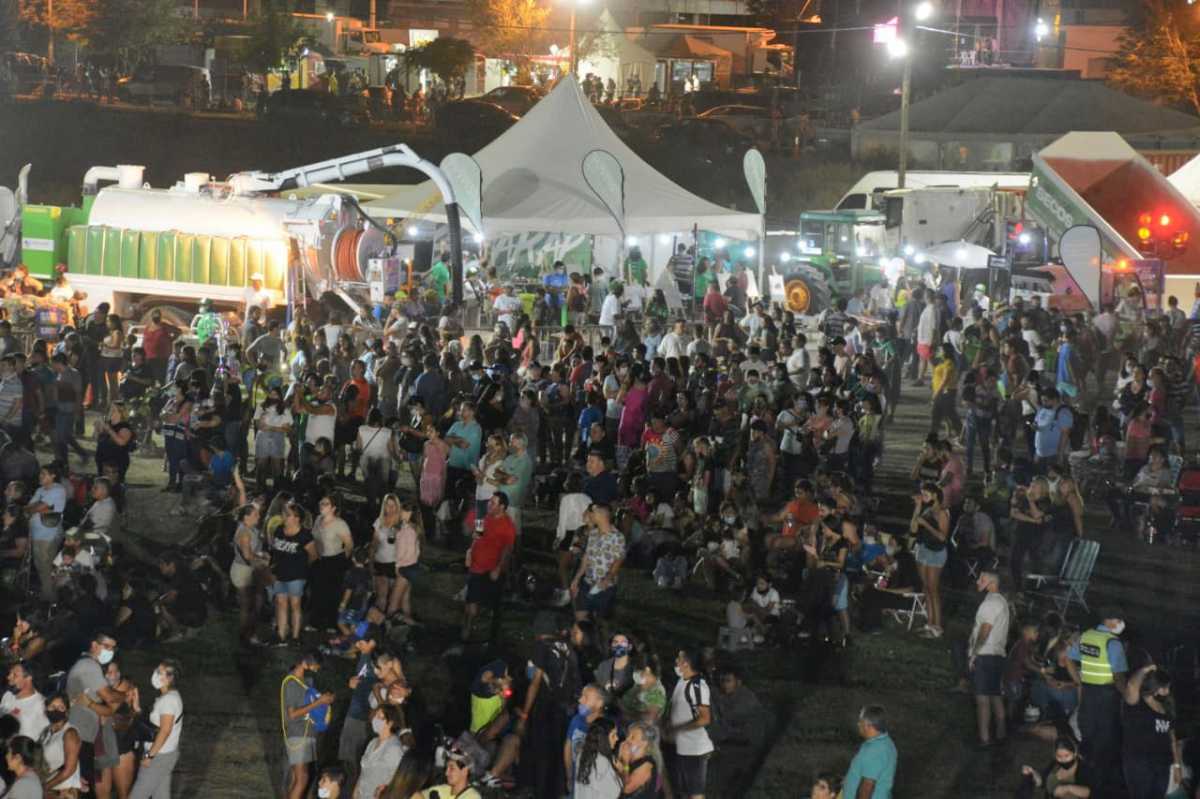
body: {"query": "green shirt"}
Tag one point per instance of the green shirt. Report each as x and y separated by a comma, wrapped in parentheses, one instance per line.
(439, 275)
(520, 467)
(637, 700)
(637, 270)
(702, 281)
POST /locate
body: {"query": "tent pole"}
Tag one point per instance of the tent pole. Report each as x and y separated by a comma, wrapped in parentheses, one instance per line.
(456, 252)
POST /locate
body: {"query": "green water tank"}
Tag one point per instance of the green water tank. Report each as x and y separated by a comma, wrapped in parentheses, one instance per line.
(43, 237)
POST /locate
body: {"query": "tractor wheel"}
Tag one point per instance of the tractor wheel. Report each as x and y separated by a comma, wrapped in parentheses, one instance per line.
(807, 291)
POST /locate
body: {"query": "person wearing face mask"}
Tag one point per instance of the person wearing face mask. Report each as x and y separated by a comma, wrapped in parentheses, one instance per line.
(383, 752)
(646, 699)
(690, 715)
(299, 736)
(1102, 670)
(592, 701)
(615, 673)
(93, 697)
(1067, 776)
(162, 753)
(459, 768)
(331, 783)
(60, 749)
(1151, 754)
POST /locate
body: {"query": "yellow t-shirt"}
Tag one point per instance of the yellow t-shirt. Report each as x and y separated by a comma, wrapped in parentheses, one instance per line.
(944, 374)
(446, 792)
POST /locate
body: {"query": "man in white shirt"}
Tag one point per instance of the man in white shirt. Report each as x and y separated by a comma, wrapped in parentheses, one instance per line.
(674, 343)
(24, 703)
(507, 306)
(690, 714)
(256, 295)
(610, 311)
(927, 327)
(572, 508)
(799, 363)
(986, 657)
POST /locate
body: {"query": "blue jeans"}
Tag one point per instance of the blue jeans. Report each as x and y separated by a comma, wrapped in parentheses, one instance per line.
(233, 439)
(979, 430)
(177, 454)
(1055, 703)
(64, 435)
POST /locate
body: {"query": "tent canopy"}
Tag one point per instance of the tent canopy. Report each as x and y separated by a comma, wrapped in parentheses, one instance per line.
(533, 182)
(693, 49)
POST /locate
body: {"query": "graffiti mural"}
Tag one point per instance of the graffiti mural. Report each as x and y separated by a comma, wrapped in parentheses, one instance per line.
(530, 255)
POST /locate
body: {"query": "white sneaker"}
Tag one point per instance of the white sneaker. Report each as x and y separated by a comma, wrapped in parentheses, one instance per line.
(461, 596)
(562, 598)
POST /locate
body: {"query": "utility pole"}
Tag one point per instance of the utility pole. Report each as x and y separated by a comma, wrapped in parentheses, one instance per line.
(571, 42)
(196, 9)
(371, 24)
(50, 30)
(905, 93)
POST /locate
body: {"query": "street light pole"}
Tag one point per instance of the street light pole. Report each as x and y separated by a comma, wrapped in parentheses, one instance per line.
(571, 42)
(50, 30)
(905, 92)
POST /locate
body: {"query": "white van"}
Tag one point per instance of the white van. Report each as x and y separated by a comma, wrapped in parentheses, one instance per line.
(866, 191)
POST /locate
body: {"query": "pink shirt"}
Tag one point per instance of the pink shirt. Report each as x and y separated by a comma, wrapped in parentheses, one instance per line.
(633, 417)
(952, 490)
(408, 549)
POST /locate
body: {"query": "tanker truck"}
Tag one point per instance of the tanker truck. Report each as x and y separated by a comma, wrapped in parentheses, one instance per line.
(135, 247)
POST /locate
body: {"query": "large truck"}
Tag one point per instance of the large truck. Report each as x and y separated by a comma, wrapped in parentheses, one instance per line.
(1097, 179)
(136, 247)
(344, 36)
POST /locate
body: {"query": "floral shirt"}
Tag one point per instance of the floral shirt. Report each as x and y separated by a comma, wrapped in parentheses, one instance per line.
(603, 550)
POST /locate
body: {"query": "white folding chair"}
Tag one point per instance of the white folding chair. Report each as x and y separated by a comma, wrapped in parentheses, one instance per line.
(919, 607)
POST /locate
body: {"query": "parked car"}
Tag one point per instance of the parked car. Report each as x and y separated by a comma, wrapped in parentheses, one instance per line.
(22, 73)
(514, 99)
(469, 125)
(311, 105)
(752, 120)
(710, 139)
(175, 83)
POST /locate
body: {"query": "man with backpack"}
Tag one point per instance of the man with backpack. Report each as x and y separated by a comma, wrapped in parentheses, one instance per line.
(1052, 430)
(690, 715)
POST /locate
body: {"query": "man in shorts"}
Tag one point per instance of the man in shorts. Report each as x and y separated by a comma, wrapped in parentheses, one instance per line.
(486, 561)
(986, 657)
(594, 588)
(300, 737)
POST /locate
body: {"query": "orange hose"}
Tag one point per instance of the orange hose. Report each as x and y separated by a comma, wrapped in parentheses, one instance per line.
(344, 261)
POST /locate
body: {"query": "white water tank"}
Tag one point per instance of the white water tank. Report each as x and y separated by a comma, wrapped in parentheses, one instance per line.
(162, 210)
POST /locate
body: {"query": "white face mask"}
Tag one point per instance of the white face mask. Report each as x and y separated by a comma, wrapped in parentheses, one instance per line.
(639, 678)
(377, 726)
(1120, 628)
(156, 680)
(323, 793)
(679, 672)
(105, 657)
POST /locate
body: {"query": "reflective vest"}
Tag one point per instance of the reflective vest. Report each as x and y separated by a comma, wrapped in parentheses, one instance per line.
(1094, 666)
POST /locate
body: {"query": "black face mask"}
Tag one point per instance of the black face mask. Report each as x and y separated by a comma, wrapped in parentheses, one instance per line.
(55, 716)
(1070, 764)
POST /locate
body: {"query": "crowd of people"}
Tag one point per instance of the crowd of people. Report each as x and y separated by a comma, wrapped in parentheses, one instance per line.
(718, 446)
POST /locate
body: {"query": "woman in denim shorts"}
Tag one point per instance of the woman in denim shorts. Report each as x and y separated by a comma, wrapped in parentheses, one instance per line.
(292, 551)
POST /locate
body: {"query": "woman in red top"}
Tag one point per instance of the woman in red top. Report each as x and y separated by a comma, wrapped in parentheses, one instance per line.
(157, 339)
(352, 411)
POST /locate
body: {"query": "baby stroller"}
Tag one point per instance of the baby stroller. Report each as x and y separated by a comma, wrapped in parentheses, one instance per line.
(1187, 513)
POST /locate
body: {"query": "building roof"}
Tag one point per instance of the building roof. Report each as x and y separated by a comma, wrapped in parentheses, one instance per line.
(1034, 106)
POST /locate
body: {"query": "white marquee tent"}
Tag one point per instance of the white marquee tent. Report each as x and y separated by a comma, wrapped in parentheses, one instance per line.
(533, 181)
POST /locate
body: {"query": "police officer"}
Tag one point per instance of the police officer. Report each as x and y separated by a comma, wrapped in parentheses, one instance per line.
(1102, 670)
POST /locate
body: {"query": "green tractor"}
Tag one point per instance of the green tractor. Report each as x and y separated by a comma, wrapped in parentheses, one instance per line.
(840, 252)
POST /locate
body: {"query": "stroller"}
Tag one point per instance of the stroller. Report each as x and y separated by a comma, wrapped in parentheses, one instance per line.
(1187, 513)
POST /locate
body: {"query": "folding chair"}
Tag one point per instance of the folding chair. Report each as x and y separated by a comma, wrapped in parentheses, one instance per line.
(974, 563)
(1071, 583)
(919, 607)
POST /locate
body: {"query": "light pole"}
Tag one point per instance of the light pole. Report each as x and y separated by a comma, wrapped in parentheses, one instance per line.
(571, 44)
(900, 49)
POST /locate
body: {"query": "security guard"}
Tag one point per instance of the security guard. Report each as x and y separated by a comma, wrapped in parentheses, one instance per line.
(1102, 669)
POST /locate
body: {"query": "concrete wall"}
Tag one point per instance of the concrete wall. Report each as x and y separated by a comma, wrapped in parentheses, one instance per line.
(1088, 48)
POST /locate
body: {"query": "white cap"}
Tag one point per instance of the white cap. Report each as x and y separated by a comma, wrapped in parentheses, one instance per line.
(258, 276)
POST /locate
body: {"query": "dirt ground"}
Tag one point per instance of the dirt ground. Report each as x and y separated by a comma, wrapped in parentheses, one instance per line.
(232, 743)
